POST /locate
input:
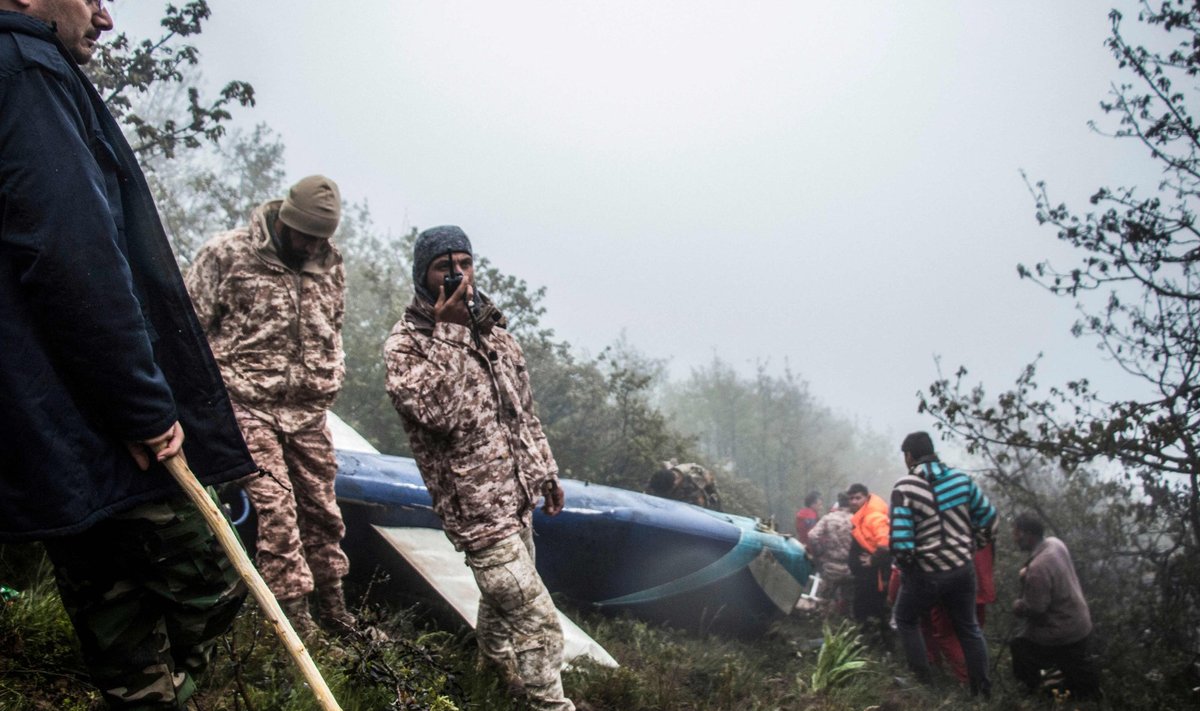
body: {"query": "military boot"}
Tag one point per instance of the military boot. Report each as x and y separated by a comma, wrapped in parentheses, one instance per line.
(296, 610)
(331, 609)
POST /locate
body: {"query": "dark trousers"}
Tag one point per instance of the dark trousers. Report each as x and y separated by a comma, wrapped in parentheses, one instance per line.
(954, 590)
(1030, 658)
(149, 592)
(870, 606)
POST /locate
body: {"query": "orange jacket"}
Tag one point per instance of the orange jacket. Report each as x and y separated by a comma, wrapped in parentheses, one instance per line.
(871, 524)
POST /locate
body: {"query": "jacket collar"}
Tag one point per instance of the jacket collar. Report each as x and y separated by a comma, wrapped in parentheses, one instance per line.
(26, 24)
(927, 467)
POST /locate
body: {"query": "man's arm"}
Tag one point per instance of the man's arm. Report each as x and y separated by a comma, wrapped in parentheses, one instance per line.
(203, 281)
(816, 537)
(1036, 592)
(983, 516)
(527, 404)
(62, 236)
(425, 386)
(902, 535)
(555, 498)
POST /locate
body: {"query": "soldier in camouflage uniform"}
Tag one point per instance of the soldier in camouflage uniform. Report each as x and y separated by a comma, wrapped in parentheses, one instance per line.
(460, 385)
(102, 365)
(688, 482)
(271, 298)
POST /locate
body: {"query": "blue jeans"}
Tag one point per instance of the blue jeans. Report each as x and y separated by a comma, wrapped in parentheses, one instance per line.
(955, 591)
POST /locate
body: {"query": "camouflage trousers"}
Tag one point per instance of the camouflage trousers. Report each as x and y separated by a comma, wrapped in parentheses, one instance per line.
(300, 526)
(518, 625)
(149, 592)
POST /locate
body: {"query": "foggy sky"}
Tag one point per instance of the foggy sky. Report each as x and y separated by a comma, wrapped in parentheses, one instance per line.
(834, 186)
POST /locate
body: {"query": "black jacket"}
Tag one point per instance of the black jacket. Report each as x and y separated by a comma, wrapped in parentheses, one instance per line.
(98, 340)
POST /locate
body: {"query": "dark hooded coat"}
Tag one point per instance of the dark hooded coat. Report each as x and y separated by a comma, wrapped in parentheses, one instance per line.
(98, 341)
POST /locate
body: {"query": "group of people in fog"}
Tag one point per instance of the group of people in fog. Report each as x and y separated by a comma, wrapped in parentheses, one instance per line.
(113, 363)
(920, 567)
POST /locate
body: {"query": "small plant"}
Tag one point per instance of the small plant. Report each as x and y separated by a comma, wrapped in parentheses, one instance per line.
(842, 656)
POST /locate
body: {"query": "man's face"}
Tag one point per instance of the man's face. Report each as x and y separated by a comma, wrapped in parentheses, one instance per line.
(1024, 540)
(300, 243)
(857, 499)
(439, 269)
(78, 23)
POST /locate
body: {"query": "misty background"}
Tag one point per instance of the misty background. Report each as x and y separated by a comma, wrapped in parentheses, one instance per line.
(834, 187)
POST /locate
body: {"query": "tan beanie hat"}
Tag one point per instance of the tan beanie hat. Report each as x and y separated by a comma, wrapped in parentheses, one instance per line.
(312, 206)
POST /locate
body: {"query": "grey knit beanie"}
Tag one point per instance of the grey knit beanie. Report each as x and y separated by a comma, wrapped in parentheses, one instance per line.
(312, 206)
(430, 244)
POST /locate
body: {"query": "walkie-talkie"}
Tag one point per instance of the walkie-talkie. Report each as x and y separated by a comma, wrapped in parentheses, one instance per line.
(452, 280)
(450, 284)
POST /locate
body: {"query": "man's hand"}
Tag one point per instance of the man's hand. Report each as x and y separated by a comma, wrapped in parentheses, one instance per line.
(452, 308)
(555, 499)
(166, 445)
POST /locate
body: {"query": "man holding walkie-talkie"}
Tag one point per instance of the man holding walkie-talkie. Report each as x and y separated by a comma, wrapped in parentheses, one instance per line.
(460, 384)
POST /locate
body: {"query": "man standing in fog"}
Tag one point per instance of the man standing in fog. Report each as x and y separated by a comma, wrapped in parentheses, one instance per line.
(461, 386)
(939, 518)
(103, 368)
(271, 298)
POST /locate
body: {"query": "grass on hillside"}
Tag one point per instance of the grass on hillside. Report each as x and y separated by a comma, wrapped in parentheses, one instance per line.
(426, 667)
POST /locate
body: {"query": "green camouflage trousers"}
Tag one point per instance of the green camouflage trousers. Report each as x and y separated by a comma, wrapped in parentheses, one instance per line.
(149, 592)
(518, 625)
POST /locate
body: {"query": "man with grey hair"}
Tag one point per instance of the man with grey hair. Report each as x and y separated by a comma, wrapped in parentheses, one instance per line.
(461, 386)
(1054, 621)
(271, 298)
(103, 368)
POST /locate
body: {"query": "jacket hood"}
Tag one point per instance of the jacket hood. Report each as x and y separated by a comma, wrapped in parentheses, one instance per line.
(262, 231)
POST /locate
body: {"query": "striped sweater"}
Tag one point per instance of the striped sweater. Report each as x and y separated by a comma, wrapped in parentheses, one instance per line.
(939, 517)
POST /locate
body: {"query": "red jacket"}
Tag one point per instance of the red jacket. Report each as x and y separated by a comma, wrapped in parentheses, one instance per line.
(806, 518)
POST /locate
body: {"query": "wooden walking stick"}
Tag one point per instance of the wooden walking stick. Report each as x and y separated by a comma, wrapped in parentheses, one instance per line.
(270, 606)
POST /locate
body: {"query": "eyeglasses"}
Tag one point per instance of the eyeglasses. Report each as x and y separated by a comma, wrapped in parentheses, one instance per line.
(96, 5)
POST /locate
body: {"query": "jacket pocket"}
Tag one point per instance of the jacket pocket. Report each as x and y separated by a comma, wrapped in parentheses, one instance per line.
(258, 376)
(483, 482)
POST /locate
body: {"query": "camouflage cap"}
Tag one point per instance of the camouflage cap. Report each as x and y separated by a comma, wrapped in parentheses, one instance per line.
(312, 206)
(431, 243)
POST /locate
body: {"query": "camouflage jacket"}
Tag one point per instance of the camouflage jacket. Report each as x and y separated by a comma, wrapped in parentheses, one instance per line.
(469, 415)
(829, 541)
(276, 332)
(694, 485)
